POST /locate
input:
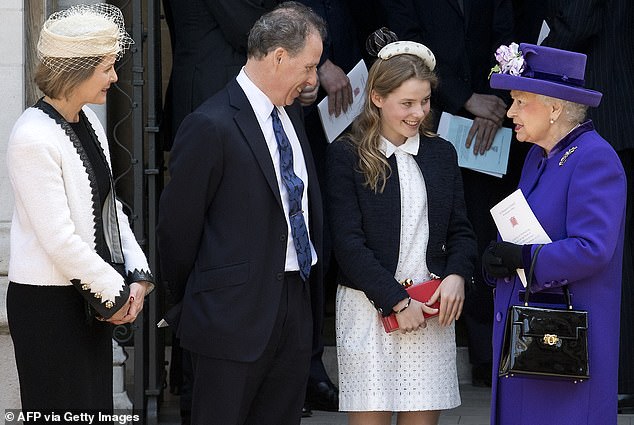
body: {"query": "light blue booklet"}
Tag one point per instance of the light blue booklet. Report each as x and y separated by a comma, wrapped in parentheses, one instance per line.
(493, 162)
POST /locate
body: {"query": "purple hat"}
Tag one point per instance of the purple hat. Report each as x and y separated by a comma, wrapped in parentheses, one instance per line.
(543, 70)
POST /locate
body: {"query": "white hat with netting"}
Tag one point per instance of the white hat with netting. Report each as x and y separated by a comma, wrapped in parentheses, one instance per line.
(81, 36)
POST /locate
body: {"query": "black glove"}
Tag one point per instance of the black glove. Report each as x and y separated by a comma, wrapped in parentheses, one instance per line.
(500, 259)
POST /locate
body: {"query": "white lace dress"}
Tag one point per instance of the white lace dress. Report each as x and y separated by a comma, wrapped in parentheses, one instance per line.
(396, 371)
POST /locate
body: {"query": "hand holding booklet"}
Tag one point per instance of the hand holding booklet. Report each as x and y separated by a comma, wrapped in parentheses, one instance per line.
(517, 223)
(334, 126)
(421, 292)
(493, 162)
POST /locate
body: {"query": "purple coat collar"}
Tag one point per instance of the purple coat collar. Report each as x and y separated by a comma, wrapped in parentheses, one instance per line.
(568, 138)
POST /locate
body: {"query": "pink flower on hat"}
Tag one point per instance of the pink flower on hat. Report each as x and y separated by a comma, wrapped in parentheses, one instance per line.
(510, 60)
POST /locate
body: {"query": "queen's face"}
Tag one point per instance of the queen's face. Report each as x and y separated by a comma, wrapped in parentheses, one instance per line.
(403, 110)
(531, 117)
(94, 89)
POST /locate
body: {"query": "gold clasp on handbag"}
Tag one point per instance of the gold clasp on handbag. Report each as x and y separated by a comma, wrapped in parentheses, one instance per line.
(407, 282)
(551, 339)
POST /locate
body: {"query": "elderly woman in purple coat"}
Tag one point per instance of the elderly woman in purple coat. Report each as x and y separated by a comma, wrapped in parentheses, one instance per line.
(575, 184)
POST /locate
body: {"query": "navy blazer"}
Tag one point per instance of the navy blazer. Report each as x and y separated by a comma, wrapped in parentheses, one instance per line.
(222, 231)
(366, 225)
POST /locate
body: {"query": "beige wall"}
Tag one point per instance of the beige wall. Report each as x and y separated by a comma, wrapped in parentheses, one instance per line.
(12, 89)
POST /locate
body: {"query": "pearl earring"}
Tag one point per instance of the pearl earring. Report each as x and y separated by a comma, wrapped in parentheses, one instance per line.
(552, 121)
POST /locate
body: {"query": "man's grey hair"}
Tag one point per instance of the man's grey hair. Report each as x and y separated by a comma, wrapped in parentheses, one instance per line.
(287, 26)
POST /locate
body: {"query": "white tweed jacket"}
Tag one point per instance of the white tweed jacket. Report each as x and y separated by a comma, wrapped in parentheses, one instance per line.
(54, 220)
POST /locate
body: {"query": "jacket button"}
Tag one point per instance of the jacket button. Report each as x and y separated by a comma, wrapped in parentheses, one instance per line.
(280, 276)
(498, 317)
(283, 238)
(507, 279)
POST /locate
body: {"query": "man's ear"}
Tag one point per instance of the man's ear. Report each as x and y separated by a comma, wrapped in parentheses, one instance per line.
(278, 55)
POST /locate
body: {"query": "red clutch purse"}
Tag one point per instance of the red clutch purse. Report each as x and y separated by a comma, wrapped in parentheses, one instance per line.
(421, 292)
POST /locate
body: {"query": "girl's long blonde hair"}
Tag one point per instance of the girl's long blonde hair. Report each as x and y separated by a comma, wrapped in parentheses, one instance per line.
(384, 77)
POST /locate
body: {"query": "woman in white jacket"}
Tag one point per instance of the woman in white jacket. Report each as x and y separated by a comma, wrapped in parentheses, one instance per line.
(75, 266)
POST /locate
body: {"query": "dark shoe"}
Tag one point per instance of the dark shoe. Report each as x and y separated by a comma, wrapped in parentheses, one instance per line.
(306, 412)
(481, 375)
(323, 396)
(626, 404)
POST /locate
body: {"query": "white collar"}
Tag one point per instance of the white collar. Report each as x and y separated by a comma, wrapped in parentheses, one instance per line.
(261, 104)
(410, 146)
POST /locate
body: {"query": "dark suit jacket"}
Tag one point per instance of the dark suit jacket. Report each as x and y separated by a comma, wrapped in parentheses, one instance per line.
(366, 225)
(222, 232)
(603, 30)
(341, 45)
(463, 42)
(209, 47)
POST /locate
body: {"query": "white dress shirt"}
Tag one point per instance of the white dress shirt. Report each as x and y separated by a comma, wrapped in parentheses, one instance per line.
(262, 106)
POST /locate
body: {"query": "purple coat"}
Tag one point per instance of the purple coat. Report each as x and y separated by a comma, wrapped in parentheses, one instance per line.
(578, 195)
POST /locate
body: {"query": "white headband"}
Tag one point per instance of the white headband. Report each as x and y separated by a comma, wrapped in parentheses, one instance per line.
(408, 48)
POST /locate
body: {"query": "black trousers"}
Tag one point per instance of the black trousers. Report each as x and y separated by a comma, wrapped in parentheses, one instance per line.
(269, 391)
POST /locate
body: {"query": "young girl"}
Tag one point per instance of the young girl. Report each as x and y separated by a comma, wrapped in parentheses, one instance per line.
(397, 212)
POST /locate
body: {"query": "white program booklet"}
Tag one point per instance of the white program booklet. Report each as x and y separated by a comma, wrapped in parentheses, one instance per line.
(517, 223)
(543, 32)
(493, 162)
(334, 126)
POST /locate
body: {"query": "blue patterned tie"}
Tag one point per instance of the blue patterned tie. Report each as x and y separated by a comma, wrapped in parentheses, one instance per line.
(295, 188)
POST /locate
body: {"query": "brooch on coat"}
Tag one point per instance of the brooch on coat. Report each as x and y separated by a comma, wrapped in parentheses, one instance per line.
(566, 155)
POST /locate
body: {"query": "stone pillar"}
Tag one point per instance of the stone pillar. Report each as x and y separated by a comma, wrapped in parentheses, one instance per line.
(12, 89)
(120, 396)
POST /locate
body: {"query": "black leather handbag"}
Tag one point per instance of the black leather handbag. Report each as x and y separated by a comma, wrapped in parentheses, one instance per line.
(545, 342)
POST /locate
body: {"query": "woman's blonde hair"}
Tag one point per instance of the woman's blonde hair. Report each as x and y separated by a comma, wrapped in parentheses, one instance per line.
(60, 84)
(384, 77)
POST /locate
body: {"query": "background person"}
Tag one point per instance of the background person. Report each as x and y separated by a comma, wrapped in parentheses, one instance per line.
(70, 240)
(209, 47)
(396, 211)
(575, 184)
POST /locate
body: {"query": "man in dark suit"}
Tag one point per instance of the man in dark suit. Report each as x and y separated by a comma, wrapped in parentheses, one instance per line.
(209, 47)
(240, 226)
(604, 31)
(463, 35)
